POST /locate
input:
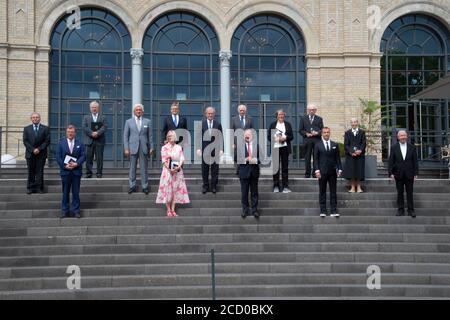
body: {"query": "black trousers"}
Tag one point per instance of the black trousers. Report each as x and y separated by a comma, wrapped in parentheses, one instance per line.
(309, 153)
(95, 149)
(35, 165)
(250, 184)
(331, 180)
(214, 174)
(284, 162)
(402, 184)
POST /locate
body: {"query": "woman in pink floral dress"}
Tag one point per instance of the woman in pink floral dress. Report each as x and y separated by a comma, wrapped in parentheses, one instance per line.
(172, 187)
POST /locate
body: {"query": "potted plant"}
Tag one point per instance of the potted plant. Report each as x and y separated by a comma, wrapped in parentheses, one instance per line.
(371, 123)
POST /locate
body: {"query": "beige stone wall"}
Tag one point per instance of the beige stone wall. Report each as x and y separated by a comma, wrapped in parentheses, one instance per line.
(343, 57)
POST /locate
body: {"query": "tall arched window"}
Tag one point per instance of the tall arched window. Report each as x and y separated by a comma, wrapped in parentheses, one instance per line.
(416, 52)
(268, 69)
(88, 63)
(180, 63)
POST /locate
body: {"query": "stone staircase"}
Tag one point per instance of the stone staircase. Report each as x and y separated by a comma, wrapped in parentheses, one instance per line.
(126, 248)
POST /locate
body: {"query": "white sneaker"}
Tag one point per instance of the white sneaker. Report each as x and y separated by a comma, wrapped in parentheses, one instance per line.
(286, 190)
(323, 215)
(336, 215)
(276, 190)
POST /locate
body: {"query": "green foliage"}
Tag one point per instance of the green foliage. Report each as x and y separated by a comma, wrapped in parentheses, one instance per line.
(371, 123)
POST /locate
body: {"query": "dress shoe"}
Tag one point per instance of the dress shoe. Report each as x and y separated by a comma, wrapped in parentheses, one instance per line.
(400, 213)
(99, 176)
(77, 215)
(204, 190)
(63, 215)
(131, 190)
(29, 191)
(146, 191)
(214, 190)
(244, 214)
(256, 214)
(411, 214)
(307, 176)
(41, 191)
(88, 176)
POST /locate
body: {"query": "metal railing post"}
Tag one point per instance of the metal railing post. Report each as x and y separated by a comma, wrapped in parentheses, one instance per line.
(213, 275)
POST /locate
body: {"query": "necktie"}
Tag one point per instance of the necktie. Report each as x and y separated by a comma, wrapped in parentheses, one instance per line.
(138, 123)
(209, 124)
(175, 122)
(328, 147)
(311, 119)
(242, 123)
(249, 150)
(71, 146)
(35, 131)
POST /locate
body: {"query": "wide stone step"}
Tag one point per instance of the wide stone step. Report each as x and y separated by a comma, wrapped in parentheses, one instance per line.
(217, 220)
(368, 257)
(226, 268)
(179, 231)
(204, 292)
(225, 247)
(88, 282)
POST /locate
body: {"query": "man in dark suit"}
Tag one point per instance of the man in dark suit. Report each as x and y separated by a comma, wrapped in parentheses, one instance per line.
(404, 168)
(70, 156)
(94, 128)
(248, 168)
(36, 138)
(243, 122)
(173, 122)
(327, 167)
(311, 129)
(211, 134)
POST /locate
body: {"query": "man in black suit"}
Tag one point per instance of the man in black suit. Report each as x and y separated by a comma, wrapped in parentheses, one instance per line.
(211, 134)
(248, 168)
(243, 122)
(404, 168)
(311, 129)
(174, 121)
(36, 138)
(94, 129)
(327, 167)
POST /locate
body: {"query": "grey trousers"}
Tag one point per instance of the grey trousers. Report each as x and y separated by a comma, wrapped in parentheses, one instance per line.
(143, 164)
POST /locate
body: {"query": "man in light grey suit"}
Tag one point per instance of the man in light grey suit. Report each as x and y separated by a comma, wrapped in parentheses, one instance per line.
(94, 129)
(138, 144)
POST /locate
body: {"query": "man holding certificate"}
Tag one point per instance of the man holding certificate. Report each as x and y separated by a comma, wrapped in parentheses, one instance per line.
(94, 129)
(70, 156)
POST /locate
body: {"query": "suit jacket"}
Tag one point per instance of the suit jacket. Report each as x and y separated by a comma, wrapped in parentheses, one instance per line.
(359, 141)
(169, 125)
(289, 133)
(133, 138)
(327, 161)
(31, 142)
(400, 168)
(250, 170)
(78, 152)
(305, 126)
(216, 125)
(236, 123)
(87, 137)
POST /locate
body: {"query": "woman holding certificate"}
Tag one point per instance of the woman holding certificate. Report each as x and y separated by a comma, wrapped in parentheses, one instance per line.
(172, 187)
(281, 135)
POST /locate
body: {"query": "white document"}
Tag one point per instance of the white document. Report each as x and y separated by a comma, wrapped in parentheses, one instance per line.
(68, 159)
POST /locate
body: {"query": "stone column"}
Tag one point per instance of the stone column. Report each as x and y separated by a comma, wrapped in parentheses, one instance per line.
(225, 57)
(136, 58)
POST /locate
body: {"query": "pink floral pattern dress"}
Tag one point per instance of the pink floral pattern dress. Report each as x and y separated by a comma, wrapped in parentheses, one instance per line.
(172, 185)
